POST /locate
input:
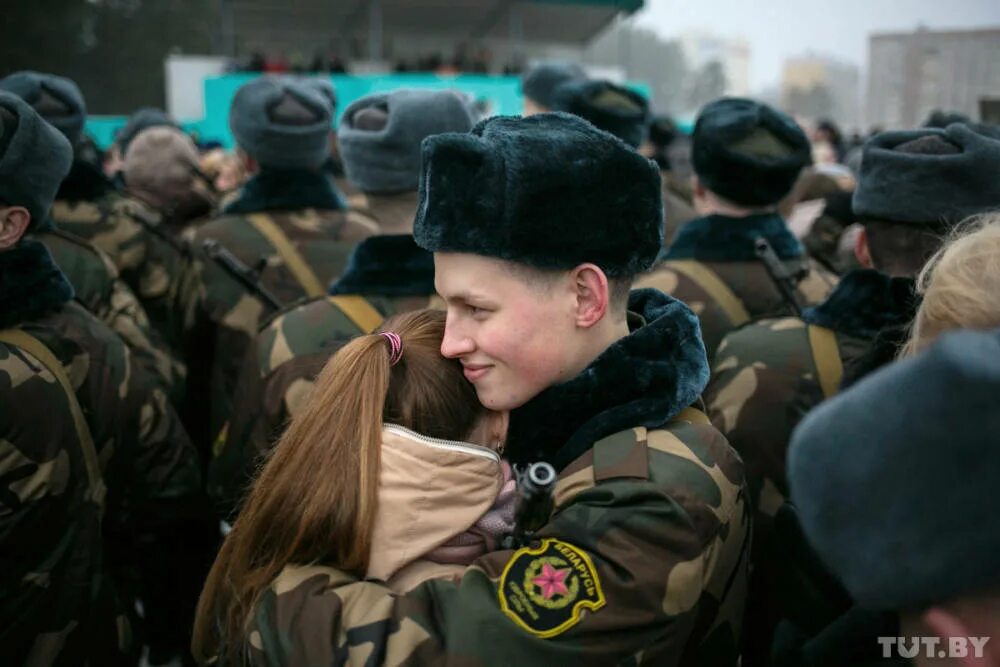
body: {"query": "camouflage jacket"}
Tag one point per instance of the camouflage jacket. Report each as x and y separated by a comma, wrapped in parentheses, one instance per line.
(97, 286)
(89, 206)
(390, 274)
(219, 315)
(736, 286)
(642, 562)
(145, 460)
(766, 377)
(769, 374)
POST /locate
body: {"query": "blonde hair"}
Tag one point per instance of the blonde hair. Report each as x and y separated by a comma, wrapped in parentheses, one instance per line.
(960, 284)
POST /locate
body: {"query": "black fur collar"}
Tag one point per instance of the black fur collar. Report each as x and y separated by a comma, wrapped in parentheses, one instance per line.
(642, 380)
(30, 283)
(85, 182)
(718, 238)
(286, 190)
(387, 266)
(865, 302)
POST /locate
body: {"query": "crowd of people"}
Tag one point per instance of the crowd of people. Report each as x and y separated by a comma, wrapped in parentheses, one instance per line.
(284, 405)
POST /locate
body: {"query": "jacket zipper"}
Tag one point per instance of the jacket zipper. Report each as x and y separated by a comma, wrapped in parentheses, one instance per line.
(468, 448)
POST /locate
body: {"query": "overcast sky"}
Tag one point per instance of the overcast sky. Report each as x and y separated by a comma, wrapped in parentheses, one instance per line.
(779, 29)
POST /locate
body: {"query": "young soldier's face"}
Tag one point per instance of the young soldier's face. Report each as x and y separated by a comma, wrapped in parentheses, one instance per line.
(513, 339)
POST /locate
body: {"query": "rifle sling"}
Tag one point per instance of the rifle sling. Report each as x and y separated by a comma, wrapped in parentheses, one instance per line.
(293, 258)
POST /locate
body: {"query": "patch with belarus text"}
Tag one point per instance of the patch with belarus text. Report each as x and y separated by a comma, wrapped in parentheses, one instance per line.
(545, 590)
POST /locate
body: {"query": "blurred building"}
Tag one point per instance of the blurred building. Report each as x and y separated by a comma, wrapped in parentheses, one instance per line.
(701, 49)
(819, 87)
(912, 74)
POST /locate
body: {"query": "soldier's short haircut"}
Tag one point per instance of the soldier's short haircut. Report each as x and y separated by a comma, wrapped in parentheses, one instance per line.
(542, 280)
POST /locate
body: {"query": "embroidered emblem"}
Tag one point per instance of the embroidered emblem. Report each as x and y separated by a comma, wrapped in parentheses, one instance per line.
(545, 590)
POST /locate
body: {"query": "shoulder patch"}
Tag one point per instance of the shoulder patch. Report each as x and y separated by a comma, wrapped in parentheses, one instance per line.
(545, 590)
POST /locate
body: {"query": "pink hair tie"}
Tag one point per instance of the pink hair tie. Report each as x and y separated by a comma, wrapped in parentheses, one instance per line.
(395, 346)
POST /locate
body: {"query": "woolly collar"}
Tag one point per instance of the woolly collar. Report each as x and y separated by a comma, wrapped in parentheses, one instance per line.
(719, 238)
(643, 379)
(285, 190)
(85, 182)
(30, 283)
(387, 266)
(865, 302)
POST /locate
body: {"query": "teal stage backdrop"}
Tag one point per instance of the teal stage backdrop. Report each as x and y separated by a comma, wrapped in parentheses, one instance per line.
(502, 92)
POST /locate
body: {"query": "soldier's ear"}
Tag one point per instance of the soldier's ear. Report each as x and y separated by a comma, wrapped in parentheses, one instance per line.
(862, 251)
(14, 221)
(592, 293)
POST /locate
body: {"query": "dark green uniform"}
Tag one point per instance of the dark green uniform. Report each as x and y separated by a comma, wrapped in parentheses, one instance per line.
(643, 561)
(386, 275)
(58, 586)
(290, 221)
(711, 266)
(769, 374)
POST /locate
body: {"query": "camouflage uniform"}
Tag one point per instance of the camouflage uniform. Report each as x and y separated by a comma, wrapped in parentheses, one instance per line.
(643, 561)
(144, 458)
(390, 274)
(769, 374)
(724, 246)
(98, 287)
(108, 220)
(220, 317)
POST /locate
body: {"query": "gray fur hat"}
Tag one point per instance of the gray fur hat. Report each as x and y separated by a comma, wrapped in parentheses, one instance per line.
(282, 123)
(895, 479)
(34, 158)
(540, 82)
(384, 155)
(56, 99)
(928, 186)
(550, 191)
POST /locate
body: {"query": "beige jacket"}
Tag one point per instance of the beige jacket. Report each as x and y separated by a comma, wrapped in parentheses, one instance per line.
(430, 491)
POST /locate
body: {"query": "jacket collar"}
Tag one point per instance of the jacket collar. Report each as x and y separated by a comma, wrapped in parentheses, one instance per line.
(30, 283)
(718, 238)
(387, 266)
(644, 379)
(285, 190)
(864, 303)
(85, 182)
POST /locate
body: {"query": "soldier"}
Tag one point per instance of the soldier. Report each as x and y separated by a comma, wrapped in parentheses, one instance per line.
(915, 531)
(677, 198)
(746, 157)
(87, 204)
(286, 221)
(769, 374)
(95, 279)
(643, 560)
(60, 606)
(540, 82)
(380, 138)
(161, 171)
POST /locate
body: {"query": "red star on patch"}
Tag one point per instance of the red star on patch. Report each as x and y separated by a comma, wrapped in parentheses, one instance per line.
(551, 581)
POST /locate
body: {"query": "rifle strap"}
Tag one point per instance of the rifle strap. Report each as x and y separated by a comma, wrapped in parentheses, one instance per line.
(709, 281)
(358, 310)
(38, 350)
(826, 358)
(293, 258)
